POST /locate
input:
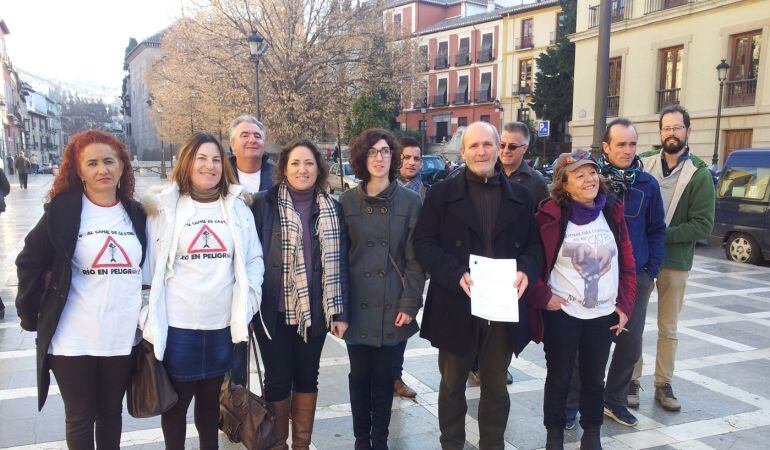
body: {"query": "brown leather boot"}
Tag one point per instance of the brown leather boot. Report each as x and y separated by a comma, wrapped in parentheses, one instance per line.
(281, 409)
(302, 417)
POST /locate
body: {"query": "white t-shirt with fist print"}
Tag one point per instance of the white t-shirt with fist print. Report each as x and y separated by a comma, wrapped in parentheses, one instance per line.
(102, 309)
(200, 293)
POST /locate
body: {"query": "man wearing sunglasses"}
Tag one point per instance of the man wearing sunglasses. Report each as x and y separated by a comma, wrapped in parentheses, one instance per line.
(514, 142)
(688, 196)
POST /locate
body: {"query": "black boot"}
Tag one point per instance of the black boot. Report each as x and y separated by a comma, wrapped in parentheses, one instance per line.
(360, 406)
(382, 402)
(591, 439)
(555, 439)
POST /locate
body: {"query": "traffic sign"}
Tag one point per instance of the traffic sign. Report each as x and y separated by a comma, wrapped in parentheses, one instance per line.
(543, 128)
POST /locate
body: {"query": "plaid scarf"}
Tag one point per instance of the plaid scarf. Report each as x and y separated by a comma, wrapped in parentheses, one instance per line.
(295, 285)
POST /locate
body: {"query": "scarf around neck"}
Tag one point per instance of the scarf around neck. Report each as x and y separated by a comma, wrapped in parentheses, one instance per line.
(295, 285)
(581, 214)
(619, 179)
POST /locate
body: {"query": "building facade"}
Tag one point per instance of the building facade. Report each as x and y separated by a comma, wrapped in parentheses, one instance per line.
(12, 102)
(665, 52)
(140, 133)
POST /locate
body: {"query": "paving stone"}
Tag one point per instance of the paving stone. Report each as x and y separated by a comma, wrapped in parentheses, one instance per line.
(740, 440)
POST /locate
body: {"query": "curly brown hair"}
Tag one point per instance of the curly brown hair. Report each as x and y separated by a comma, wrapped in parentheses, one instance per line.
(68, 179)
(360, 149)
(560, 195)
(283, 160)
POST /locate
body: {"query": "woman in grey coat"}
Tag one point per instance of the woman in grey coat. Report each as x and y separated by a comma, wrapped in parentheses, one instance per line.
(386, 281)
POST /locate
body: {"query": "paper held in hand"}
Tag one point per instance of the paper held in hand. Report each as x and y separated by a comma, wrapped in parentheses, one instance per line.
(493, 296)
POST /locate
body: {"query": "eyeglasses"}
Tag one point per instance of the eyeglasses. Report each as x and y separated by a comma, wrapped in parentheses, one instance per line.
(511, 147)
(385, 152)
(675, 129)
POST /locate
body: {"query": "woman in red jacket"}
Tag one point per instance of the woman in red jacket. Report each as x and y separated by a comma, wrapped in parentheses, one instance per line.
(585, 294)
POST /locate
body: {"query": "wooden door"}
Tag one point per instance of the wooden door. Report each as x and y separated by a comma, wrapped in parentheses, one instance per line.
(736, 140)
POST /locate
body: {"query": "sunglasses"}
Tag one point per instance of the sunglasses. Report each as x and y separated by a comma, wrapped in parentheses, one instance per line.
(511, 147)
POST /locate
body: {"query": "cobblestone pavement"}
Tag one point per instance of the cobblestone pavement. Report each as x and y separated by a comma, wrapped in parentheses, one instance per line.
(721, 377)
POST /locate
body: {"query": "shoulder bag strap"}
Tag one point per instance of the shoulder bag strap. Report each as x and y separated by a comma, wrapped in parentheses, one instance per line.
(254, 346)
(395, 267)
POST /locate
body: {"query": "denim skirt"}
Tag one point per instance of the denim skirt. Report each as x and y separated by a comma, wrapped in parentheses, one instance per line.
(193, 355)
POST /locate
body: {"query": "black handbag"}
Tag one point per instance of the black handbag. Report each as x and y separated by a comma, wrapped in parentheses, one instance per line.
(244, 416)
(150, 392)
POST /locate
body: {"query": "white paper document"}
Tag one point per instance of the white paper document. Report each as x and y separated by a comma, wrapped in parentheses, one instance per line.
(493, 296)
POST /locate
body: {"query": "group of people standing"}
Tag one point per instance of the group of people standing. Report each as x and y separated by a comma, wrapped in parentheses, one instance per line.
(235, 243)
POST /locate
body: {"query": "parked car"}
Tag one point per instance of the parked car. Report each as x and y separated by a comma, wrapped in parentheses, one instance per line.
(742, 219)
(433, 169)
(349, 180)
(46, 169)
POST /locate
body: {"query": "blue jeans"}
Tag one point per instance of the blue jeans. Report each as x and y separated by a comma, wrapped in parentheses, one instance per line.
(193, 355)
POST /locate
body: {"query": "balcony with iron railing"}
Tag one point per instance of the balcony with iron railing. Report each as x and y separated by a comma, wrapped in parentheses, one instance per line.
(485, 55)
(667, 97)
(613, 105)
(441, 62)
(621, 11)
(461, 98)
(439, 139)
(524, 42)
(740, 92)
(483, 96)
(440, 100)
(462, 59)
(652, 6)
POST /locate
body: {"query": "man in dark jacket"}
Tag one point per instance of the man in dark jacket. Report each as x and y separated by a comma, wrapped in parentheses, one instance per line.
(5, 189)
(643, 211)
(252, 165)
(514, 142)
(22, 167)
(477, 212)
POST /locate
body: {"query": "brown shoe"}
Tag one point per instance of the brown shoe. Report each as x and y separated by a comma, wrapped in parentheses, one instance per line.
(302, 417)
(400, 388)
(281, 409)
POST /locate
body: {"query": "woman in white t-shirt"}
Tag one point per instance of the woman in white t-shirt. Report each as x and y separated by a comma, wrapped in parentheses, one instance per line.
(585, 294)
(80, 286)
(204, 266)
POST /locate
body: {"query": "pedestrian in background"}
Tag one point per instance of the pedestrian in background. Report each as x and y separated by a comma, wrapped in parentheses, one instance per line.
(33, 163)
(303, 234)
(22, 168)
(204, 266)
(80, 287)
(5, 189)
(9, 161)
(386, 281)
(586, 291)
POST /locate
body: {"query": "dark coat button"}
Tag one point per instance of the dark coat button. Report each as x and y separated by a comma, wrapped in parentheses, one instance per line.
(516, 244)
(363, 335)
(391, 335)
(364, 306)
(458, 243)
(384, 243)
(381, 274)
(368, 209)
(388, 306)
(369, 243)
(367, 274)
(383, 210)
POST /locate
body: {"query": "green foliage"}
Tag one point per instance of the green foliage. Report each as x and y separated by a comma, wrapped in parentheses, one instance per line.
(131, 44)
(367, 112)
(554, 80)
(415, 134)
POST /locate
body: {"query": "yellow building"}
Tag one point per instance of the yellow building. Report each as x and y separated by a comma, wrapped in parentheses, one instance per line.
(666, 51)
(528, 30)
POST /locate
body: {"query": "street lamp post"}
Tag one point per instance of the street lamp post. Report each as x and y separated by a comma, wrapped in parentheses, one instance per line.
(257, 48)
(721, 76)
(522, 99)
(424, 110)
(499, 109)
(162, 149)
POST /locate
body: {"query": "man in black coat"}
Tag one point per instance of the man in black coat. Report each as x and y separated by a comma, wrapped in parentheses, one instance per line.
(477, 212)
(250, 162)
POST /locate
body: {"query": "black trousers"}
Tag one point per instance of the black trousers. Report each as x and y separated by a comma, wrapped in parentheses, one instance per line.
(92, 388)
(371, 391)
(565, 338)
(398, 360)
(290, 362)
(174, 421)
(23, 180)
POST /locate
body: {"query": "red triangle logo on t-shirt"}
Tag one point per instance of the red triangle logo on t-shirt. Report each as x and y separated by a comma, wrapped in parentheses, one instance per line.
(111, 255)
(206, 241)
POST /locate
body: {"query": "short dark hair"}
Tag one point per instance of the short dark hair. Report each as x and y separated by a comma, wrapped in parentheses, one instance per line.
(622, 121)
(360, 149)
(407, 141)
(673, 109)
(518, 127)
(283, 161)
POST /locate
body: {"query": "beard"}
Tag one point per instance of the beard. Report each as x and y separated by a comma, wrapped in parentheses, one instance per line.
(673, 145)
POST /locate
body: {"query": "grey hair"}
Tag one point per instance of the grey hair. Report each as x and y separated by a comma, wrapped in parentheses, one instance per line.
(491, 127)
(518, 127)
(246, 118)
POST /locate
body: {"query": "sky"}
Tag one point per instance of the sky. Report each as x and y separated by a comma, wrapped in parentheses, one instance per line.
(81, 41)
